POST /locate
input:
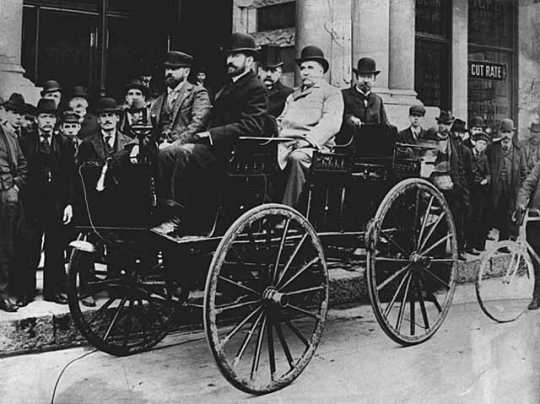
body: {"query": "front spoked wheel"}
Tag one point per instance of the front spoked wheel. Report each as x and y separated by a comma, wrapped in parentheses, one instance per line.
(505, 281)
(266, 299)
(411, 263)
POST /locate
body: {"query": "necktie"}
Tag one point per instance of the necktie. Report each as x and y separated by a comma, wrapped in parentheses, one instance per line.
(108, 146)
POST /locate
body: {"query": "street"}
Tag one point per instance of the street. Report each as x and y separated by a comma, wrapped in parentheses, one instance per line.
(469, 360)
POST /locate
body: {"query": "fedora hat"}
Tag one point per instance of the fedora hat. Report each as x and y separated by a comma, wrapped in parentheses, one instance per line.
(136, 84)
(46, 106)
(477, 122)
(313, 53)
(270, 58)
(242, 43)
(70, 117)
(417, 110)
(445, 117)
(30, 110)
(507, 125)
(107, 104)
(15, 103)
(176, 59)
(50, 86)
(459, 126)
(366, 66)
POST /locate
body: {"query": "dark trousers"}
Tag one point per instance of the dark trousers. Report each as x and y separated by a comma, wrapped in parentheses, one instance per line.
(476, 228)
(298, 163)
(48, 223)
(533, 238)
(502, 215)
(9, 214)
(458, 207)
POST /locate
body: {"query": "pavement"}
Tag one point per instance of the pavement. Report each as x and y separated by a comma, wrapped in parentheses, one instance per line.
(471, 359)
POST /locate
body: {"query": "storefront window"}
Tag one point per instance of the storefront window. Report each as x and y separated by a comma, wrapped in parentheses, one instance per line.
(277, 16)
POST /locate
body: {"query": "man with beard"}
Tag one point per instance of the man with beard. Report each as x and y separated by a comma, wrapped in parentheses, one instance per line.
(270, 70)
(240, 109)
(362, 106)
(47, 206)
(183, 109)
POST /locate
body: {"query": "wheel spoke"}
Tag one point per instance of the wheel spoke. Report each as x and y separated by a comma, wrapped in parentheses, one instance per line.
(246, 340)
(284, 345)
(238, 285)
(291, 258)
(438, 243)
(446, 285)
(391, 304)
(424, 221)
(128, 324)
(297, 332)
(271, 351)
(281, 245)
(392, 241)
(416, 212)
(412, 308)
(307, 290)
(431, 230)
(258, 349)
(422, 303)
(300, 272)
(391, 278)
(101, 310)
(389, 259)
(403, 304)
(115, 318)
(221, 309)
(239, 326)
(303, 311)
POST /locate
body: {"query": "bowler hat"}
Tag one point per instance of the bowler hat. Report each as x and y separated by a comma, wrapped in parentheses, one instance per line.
(70, 117)
(136, 84)
(137, 105)
(313, 53)
(176, 59)
(30, 110)
(50, 86)
(15, 103)
(459, 126)
(46, 106)
(270, 58)
(107, 104)
(366, 66)
(477, 122)
(417, 110)
(79, 91)
(445, 117)
(242, 43)
(481, 136)
(507, 125)
(535, 128)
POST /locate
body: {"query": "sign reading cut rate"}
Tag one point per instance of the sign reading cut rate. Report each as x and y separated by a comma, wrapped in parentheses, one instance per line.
(487, 70)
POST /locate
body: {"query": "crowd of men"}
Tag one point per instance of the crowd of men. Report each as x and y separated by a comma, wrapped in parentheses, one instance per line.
(41, 148)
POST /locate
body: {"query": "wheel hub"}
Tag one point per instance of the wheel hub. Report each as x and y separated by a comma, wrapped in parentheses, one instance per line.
(420, 260)
(272, 296)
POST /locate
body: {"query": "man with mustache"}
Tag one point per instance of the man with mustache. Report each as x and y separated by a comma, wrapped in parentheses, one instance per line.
(270, 70)
(47, 205)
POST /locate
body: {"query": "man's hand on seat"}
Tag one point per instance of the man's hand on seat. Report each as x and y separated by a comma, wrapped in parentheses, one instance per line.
(355, 121)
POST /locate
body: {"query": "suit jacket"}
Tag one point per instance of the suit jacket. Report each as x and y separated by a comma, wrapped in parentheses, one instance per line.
(481, 170)
(93, 148)
(518, 170)
(531, 152)
(16, 161)
(374, 113)
(406, 136)
(190, 112)
(530, 188)
(240, 109)
(89, 125)
(62, 172)
(277, 97)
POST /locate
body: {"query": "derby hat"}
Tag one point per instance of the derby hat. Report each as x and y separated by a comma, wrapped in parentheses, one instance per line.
(481, 136)
(366, 66)
(417, 110)
(177, 59)
(459, 126)
(70, 117)
(107, 104)
(15, 103)
(242, 43)
(80, 92)
(477, 122)
(313, 53)
(30, 110)
(136, 84)
(507, 125)
(46, 106)
(270, 58)
(50, 86)
(535, 128)
(445, 117)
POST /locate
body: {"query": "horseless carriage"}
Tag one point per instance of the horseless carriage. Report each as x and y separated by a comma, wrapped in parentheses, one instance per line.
(266, 265)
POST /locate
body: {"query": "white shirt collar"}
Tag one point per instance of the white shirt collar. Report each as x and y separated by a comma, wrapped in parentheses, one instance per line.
(361, 92)
(112, 135)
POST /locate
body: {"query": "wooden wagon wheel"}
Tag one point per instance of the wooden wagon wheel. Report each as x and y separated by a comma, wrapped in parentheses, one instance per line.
(412, 260)
(266, 299)
(133, 309)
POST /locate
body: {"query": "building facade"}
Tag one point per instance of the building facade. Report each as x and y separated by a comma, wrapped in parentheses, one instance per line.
(476, 57)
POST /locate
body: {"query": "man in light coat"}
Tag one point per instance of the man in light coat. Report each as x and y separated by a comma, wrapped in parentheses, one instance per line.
(312, 115)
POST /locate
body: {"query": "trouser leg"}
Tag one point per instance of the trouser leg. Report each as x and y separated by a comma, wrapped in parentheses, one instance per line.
(54, 270)
(298, 163)
(8, 222)
(533, 238)
(28, 255)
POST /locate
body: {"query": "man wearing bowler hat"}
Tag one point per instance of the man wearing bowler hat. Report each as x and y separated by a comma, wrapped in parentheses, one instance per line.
(240, 109)
(362, 105)
(414, 132)
(508, 170)
(53, 91)
(78, 103)
(47, 205)
(182, 110)
(313, 114)
(531, 146)
(270, 70)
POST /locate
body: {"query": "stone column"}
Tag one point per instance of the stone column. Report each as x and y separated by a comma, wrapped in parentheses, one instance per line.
(327, 24)
(402, 37)
(460, 55)
(244, 16)
(11, 71)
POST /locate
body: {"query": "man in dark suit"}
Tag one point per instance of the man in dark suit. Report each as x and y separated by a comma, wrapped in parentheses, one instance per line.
(13, 170)
(508, 170)
(47, 205)
(15, 108)
(240, 109)
(362, 105)
(78, 103)
(414, 132)
(135, 109)
(270, 70)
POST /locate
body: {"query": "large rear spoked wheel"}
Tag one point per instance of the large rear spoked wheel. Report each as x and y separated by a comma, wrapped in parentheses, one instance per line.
(266, 299)
(505, 281)
(412, 259)
(133, 307)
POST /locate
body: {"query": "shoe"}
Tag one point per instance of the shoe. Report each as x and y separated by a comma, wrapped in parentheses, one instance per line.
(170, 228)
(60, 298)
(7, 304)
(88, 301)
(535, 303)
